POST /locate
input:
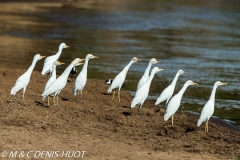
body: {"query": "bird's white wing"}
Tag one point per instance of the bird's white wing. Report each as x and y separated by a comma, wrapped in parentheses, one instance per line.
(140, 96)
(80, 83)
(21, 82)
(206, 113)
(167, 93)
(49, 58)
(117, 82)
(48, 63)
(56, 86)
(142, 81)
(49, 82)
(172, 107)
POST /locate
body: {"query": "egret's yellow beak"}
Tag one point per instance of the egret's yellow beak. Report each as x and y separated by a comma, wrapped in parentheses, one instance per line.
(194, 83)
(224, 84)
(157, 61)
(61, 63)
(95, 57)
(82, 60)
(138, 60)
(80, 63)
(160, 69)
(43, 56)
(67, 47)
(184, 72)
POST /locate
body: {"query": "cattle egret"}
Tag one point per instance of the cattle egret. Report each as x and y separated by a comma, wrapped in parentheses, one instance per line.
(53, 76)
(24, 79)
(56, 86)
(146, 73)
(120, 78)
(48, 63)
(174, 103)
(208, 109)
(168, 92)
(81, 79)
(142, 92)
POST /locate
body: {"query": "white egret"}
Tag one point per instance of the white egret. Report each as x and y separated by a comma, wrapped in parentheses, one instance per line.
(24, 79)
(48, 63)
(208, 109)
(146, 73)
(81, 79)
(168, 92)
(143, 91)
(120, 78)
(174, 103)
(53, 76)
(56, 86)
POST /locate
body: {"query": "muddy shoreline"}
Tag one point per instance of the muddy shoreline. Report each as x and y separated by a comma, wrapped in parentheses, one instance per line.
(105, 128)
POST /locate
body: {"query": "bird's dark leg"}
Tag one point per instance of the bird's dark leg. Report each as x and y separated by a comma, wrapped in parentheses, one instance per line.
(172, 120)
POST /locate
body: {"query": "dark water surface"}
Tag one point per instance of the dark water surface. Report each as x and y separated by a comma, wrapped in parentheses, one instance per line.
(199, 37)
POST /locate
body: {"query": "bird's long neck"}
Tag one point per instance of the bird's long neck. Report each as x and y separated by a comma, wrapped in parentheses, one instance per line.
(67, 71)
(149, 80)
(180, 93)
(54, 72)
(146, 73)
(59, 52)
(212, 96)
(127, 67)
(175, 80)
(30, 69)
(84, 69)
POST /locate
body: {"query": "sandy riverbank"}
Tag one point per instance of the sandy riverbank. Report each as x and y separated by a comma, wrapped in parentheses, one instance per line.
(117, 133)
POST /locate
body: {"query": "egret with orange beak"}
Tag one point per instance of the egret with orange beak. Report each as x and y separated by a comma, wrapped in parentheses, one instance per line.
(56, 87)
(81, 79)
(120, 78)
(48, 63)
(208, 109)
(175, 102)
(53, 77)
(24, 79)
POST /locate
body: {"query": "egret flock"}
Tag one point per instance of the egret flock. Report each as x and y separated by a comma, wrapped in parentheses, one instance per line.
(55, 84)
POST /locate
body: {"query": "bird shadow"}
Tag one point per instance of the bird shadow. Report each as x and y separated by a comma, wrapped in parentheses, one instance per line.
(65, 99)
(40, 104)
(126, 113)
(105, 93)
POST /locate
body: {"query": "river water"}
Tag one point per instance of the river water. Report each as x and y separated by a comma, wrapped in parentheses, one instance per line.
(199, 37)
